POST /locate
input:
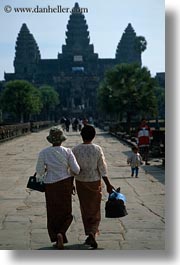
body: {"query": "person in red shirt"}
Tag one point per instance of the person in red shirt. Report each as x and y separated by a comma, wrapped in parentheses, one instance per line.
(144, 135)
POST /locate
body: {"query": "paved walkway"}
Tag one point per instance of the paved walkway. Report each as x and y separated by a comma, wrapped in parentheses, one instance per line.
(23, 214)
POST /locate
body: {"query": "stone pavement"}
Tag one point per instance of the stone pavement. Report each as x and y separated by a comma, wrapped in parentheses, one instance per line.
(23, 213)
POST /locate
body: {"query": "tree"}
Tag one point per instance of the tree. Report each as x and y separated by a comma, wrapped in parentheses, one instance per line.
(21, 99)
(50, 99)
(128, 91)
(160, 95)
(140, 44)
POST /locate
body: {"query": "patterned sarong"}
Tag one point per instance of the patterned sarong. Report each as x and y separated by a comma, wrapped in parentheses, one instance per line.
(90, 195)
(59, 208)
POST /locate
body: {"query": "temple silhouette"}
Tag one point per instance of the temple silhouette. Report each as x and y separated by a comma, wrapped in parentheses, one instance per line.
(78, 70)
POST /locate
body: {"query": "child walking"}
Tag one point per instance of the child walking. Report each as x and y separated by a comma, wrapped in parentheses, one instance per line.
(135, 160)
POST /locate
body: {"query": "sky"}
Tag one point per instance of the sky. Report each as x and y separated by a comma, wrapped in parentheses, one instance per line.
(106, 21)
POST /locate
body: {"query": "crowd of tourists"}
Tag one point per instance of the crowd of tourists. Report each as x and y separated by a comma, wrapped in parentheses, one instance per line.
(76, 124)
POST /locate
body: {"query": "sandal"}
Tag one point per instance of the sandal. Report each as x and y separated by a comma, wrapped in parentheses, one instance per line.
(90, 240)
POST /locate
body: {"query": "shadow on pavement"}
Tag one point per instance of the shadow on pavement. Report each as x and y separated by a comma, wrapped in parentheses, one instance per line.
(71, 247)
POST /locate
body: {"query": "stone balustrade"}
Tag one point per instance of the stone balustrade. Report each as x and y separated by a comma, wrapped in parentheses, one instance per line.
(11, 131)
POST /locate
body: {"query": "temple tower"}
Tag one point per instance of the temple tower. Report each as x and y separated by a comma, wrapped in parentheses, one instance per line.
(130, 47)
(79, 63)
(77, 47)
(27, 54)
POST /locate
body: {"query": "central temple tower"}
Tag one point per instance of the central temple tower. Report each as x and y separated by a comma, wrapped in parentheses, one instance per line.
(77, 47)
(79, 63)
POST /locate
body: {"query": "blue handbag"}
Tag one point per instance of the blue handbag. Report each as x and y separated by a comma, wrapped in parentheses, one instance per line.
(115, 206)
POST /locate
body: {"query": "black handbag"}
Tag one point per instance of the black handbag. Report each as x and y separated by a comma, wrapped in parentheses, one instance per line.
(33, 184)
(115, 206)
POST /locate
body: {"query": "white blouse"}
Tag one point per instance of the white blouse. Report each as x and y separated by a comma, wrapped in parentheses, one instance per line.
(91, 160)
(57, 161)
(134, 159)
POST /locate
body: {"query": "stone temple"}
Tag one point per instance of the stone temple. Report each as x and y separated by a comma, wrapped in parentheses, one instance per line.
(78, 70)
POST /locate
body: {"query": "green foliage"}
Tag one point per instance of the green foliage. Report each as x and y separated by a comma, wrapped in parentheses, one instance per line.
(49, 96)
(21, 98)
(50, 99)
(160, 95)
(140, 44)
(128, 90)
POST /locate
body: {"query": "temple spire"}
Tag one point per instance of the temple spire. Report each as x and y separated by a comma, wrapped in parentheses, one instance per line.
(127, 50)
(27, 53)
(77, 35)
(76, 6)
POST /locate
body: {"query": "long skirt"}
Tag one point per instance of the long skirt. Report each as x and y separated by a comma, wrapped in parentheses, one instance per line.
(59, 208)
(90, 195)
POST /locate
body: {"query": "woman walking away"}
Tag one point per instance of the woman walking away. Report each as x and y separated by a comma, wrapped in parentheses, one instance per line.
(93, 167)
(56, 161)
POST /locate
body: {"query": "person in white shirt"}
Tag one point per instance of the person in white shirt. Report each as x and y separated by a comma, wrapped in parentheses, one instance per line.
(55, 163)
(135, 160)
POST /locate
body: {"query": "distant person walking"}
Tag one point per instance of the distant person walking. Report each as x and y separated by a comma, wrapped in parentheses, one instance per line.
(144, 135)
(85, 121)
(67, 124)
(56, 161)
(93, 167)
(75, 124)
(62, 122)
(80, 124)
(135, 160)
